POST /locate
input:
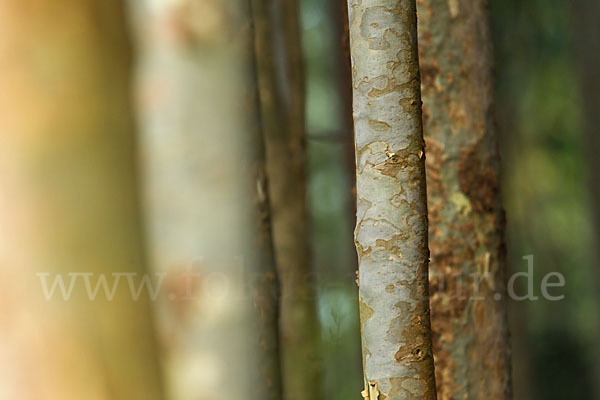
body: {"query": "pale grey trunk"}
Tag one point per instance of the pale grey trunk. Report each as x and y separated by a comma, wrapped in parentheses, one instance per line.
(206, 199)
(391, 230)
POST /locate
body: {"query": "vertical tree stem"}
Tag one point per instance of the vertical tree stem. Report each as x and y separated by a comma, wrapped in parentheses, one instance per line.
(69, 207)
(391, 230)
(281, 84)
(466, 217)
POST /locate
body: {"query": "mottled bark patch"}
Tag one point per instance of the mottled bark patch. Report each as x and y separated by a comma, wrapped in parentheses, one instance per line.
(379, 126)
(434, 161)
(376, 24)
(429, 73)
(366, 312)
(391, 233)
(478, 181)
(392, 246)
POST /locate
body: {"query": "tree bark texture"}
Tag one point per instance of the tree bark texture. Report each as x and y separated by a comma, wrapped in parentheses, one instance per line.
(281, 84)
(69, 206)
(391, 230)
(466, 218)
(207, 201)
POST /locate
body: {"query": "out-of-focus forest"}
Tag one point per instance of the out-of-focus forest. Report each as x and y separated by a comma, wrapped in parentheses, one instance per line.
(546, 191)
(160, 144)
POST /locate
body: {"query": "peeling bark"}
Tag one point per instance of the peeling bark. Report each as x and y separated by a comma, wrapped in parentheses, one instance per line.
(68, 205)
(391, 230)
(281, 84)
(466, 231)
(207, 200)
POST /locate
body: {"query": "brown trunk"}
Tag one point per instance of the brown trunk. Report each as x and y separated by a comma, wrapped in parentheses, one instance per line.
(466, 231)
(281, 84)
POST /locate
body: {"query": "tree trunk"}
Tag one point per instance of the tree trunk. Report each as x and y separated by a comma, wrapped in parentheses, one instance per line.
(206, 200)
(69, 206)
(391, 231)
(466, 231)
(281, 83)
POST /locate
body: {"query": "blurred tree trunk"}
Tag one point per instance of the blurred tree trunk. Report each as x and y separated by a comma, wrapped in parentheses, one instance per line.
(343, 68)
(585, 14)
(391, 231)
(466, 217)
(345, 89)
(206, 199)
(69, 206)
(282, 93)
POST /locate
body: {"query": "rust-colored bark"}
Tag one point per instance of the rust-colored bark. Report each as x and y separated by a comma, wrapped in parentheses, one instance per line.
(466, 231)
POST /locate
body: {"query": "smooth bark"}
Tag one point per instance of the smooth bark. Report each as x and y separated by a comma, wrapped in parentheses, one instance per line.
(282, 94)
(391, 230)
(206, 199)
(69, 206)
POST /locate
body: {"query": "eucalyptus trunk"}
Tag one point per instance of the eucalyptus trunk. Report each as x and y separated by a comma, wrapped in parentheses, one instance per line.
(69, 207)
(391, 230)
(206, 199)
(466, 217)
(282, 94)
